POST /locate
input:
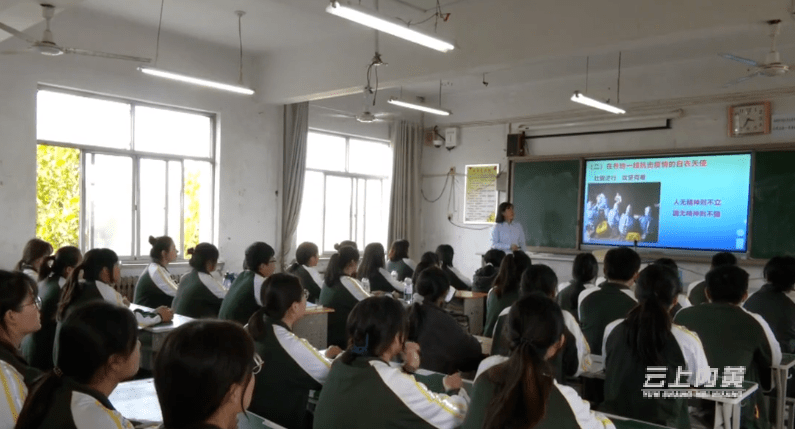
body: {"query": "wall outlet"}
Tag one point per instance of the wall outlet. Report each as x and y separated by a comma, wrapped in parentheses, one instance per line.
(449, 216)
(452, 170)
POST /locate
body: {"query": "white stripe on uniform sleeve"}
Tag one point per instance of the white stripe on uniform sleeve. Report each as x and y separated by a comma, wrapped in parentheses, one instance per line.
(212, 285)
(467, 281)
(775, 348)
(314, 274)
(503, 313)
(145, 320)
(392, 282)
(581, 409)
(608, 329)
(439, 410)
(488, 363)
(693, 351)
(354, 287)
(304, 354)
(582, 296)
(683, 301)
(88, 413)
(258, 281)
(109, 294)
(583, 350)
(410, 263)
(162, 279)
(14, 394)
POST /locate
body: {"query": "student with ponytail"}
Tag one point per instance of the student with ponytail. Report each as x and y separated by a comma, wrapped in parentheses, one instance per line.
(428, 260)
(399, 260)
(648, 338)
(33, 256)
(306, 259)
(373, 268)
(341, 292)
(200, 295)
(364, 391)
(506, 288)
(101, 349)
(37, 347)
(243, 298)
(518, 390)
(155, 287)
(292, 366)
(19, 316)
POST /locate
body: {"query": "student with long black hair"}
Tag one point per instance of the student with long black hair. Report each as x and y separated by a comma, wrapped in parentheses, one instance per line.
(101, 349)
(292, 366)
(306, 259)
(341, 292)
(155, 286)
(204, 375)
(456, 279)
(697, 294)
(243, 298)
(518, 390)
(398, 260)
(364, 391)
(647, 337)
(681, 296)
(33, 255)
(200, 295)
(373, 269)
(506, 288)
(445, 346)
(428, 260)
(19, 316)
(583, 271)
(483, 279)
(37, 347)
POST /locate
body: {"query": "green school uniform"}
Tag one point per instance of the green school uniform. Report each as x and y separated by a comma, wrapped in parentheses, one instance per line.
(342, 296)
(381, 280)
(697, 294)
(195, 298)
(292, 368)
(37, 347)
(243, 298)
(155, 287)
(778, 310)
(568, 298)
(77, 406)
(309, 281)
(733, 336)
(494, 306)
(601, 305)
(565, 408)
(402, 268)
(368, 393)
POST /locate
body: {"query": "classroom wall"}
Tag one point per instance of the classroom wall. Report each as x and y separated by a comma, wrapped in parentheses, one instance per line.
(249, 137)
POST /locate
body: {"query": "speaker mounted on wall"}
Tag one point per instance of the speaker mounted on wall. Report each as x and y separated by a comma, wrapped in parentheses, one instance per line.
(516, 146)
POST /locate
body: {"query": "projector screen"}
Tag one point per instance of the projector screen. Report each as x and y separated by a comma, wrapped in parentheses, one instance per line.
(697, 202)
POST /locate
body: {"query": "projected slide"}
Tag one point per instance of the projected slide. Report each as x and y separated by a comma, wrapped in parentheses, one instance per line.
(693, 202)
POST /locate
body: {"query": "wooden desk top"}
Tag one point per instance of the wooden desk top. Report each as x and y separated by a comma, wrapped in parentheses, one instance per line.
(465, 294)
(318, 309)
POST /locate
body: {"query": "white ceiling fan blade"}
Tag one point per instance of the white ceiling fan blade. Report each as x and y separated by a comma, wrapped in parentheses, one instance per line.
(386, 115)
(22, 51)
(105, 55)
(745, 61)
(18, 34)
(742, 79)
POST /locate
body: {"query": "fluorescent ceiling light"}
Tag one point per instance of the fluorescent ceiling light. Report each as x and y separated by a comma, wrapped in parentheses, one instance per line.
(418, 106)
(394, 27)
(196, 81)
(579, 98)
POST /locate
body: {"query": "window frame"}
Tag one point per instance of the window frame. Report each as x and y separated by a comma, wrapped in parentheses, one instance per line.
(85, 239)
(354, 180)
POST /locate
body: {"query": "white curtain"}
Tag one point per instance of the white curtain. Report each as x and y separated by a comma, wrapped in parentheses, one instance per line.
(296, 128)
(404, 212)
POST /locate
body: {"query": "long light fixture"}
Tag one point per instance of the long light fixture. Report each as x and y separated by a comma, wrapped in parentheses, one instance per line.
(392, 26)
(417, 106)
(579, 98)
(196, 81)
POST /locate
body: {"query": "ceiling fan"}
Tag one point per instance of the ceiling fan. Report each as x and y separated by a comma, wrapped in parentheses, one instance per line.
(46, 46)
(771, 67)
(365, 117)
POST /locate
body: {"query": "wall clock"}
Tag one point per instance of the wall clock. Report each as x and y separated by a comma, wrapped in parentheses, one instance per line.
(749, 119)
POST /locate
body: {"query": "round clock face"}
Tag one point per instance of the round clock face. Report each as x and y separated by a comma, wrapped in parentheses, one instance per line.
(750, 119)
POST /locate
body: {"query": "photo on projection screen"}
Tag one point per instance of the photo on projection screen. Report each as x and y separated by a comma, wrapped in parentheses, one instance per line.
(695, 202)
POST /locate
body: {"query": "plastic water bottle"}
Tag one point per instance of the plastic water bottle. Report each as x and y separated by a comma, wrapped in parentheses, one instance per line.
(408, 290)
(366, 285)
(229, 278)
(394, 274)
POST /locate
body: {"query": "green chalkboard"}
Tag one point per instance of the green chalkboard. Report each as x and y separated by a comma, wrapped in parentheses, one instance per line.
(546, 200)
(773, 222)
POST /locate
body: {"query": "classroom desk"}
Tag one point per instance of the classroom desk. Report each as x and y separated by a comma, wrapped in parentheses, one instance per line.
(137, 400)
(780, 375)
(473, 304)
(485, 344)
(152, 337)
(314, 326)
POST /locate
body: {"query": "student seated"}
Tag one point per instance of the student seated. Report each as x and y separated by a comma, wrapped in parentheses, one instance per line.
(33, 255)
(456, 279)
(575, 356)
(399, 260)
(19, 316)
(37, 347)
(204, 375)
(306, 259)
(100, 270)
(364, 391)
(648, 338)
(610, 300)
(292, 367)
(428, 260)
(484, 277)
(341, 292)
(445, 346)
(697, 295)
(583, 271)
(101, 349)
(516, 390)
(372, 268)
(506, 288)
(243, 297)
(733, 336)
(155, 287)
(681, 296)
(200, 295)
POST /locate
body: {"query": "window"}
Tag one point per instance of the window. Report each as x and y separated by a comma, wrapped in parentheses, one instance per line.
(113, 172)
(346, 191)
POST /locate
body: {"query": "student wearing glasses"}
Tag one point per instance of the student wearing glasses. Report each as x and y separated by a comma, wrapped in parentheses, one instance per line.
(292, 366)
(243, 298)
(155, 286)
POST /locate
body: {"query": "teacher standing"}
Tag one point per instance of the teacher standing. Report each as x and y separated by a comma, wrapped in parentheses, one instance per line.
(507, 235)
